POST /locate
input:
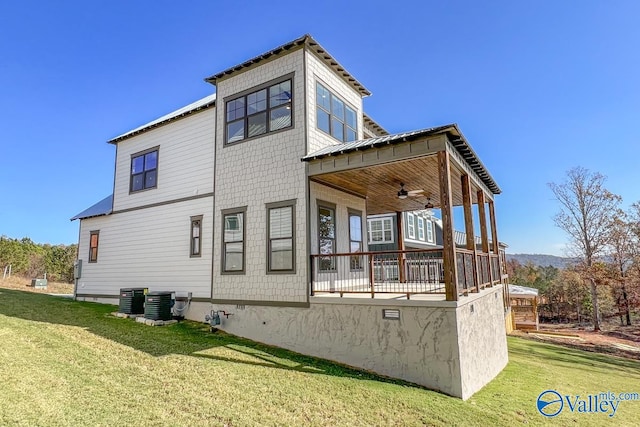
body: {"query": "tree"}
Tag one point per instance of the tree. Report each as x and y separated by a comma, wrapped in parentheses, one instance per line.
(621, 243)
(587, 208)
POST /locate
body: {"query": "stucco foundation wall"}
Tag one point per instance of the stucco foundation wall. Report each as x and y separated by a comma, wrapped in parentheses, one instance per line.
(482, 339)
(420, 347)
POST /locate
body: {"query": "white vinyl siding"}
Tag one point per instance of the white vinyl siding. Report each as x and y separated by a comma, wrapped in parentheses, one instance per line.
(185, 163)
(147, 248)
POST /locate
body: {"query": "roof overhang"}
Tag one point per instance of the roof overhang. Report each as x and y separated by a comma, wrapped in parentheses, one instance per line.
(187, 110)
(103, 207)
(375, 168)
(305, 41)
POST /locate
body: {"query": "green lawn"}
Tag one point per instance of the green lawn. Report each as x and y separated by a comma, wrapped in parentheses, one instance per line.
(72, 363)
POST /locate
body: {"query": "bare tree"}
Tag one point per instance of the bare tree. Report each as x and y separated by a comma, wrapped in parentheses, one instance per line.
(587, 210)
(621, 242)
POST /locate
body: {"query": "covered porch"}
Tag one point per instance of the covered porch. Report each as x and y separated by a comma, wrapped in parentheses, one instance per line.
(428, 169)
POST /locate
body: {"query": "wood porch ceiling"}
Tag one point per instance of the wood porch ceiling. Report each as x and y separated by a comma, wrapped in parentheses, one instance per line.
(380, 184)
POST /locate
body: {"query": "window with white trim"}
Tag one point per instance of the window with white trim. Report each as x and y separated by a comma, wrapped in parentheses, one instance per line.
(334, 116)
(420, 228)
(429, 231)
(411, 227)
(380, 230)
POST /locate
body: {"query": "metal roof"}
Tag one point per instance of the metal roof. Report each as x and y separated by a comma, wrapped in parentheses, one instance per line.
(201, 104)
(103, 207)
(313, 46)
(369, 122)
(458, 142)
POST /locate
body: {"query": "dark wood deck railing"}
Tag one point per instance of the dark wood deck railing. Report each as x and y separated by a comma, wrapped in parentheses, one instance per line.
(405, 272)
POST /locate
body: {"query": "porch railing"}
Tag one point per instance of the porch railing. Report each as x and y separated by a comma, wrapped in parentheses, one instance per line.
(399, 272)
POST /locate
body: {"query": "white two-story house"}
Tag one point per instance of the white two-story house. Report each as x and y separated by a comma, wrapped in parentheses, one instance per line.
(254, 201)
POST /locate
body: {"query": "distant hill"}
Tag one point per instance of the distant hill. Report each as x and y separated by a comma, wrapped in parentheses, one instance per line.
(541, 260)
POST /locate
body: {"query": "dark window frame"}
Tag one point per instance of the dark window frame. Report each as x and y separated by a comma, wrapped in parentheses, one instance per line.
(144, 171)
(93, 250)
(332, 116)
(332, 265)
(356, 262)
(195, 221)
(225, 213)
(278, 205)
(244, 95)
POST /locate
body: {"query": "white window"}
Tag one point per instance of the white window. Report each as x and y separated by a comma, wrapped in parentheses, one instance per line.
(429, 231)
(420, 228)
(411, 227)
(380, 230)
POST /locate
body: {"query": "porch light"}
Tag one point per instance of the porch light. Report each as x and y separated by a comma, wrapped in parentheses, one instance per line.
(429, 205)
(402, 194)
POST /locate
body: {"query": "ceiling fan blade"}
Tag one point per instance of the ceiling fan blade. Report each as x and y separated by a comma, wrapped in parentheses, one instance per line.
(414, 193)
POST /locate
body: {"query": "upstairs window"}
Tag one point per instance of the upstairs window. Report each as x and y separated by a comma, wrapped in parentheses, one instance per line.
(259, 112)
(334, 116)
(144, 170)
(429, 231)
(420, 228)
(93, 246)
(380, 230)
(411, 227)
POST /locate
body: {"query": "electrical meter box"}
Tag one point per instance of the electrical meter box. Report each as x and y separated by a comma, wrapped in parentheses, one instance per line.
(77, 269)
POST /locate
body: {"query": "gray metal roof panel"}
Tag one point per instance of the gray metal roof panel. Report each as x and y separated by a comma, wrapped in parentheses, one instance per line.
(198, 105)
(311, 44)
(103, 207)
(460, 144)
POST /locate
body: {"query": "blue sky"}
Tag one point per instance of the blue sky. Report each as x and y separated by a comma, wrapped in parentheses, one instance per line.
(537, 87)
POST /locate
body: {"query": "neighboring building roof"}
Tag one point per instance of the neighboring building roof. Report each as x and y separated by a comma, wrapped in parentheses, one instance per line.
(372, 124)
(103, 207)
(460, 144)
(201, 104)
(313, 45)
(517, 291)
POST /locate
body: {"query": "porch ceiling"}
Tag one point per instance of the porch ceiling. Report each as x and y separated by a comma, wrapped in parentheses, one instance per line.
(380, 184)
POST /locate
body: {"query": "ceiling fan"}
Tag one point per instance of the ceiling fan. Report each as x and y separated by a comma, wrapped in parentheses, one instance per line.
(403, 194)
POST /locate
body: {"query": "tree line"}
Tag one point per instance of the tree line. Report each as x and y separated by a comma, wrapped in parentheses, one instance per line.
(33, 260)
(604, 239)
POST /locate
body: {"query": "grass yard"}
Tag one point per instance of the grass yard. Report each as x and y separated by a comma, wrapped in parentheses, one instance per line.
(72, 363)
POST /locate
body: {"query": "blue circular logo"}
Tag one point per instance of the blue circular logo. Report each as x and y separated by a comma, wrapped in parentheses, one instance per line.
(550, 403)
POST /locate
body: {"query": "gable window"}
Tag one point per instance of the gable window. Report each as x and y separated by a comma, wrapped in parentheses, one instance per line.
(233, 221)
(280, 237)
(411, 228)
(327, 236)
(144, 170)
(420, 228)
(380, 230)
(355, 239)
(429, 231)
(259, 112)
(334, 116)
(93, 246)
(196, 240)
